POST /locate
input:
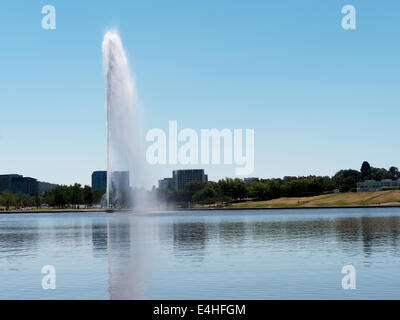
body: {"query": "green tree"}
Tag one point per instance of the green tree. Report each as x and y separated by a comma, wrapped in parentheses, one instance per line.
(226, 187)
(239, 189)
(38, 201)
(206, 195)
(189, 190)
(274, 189)
(88, 195)
(98, 195)
(58, 196)
(346, 180)
(379, 174)
(76, 194)
(259, 190)
(394, 173)
(7, 199)
(365, 171)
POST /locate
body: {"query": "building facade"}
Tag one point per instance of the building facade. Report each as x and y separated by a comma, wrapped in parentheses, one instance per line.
(45, 186)
(182, 177)
(165, 183)
(250, 179)
(120, 179)
(25, 185)
(372, 185)
(16, 183)
(99, 180)
(5, 181)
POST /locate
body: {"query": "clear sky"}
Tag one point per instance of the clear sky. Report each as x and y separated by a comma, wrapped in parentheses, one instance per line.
(319, 98)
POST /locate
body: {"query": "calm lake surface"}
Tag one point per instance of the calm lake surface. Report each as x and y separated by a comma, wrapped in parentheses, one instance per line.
(247, 254)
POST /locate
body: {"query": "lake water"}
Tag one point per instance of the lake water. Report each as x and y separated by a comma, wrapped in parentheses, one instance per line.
(247, 254)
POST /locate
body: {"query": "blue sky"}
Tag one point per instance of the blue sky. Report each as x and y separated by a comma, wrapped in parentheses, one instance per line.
(319, 98)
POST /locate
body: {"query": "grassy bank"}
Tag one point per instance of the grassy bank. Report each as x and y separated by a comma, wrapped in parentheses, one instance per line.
(384, 198)
(351, 199)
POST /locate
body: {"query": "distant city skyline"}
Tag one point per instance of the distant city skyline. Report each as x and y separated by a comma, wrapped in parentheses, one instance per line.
(318, 97)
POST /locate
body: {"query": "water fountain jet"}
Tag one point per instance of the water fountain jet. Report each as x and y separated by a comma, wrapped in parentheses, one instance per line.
(123, 119)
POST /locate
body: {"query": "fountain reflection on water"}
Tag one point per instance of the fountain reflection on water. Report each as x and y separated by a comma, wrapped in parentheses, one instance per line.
(249, 254)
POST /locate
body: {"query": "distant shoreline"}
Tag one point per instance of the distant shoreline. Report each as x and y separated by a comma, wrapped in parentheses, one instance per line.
(201, 209)
(55, 211)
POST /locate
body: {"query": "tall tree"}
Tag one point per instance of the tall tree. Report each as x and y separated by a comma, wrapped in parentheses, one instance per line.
(239, 189)
(88, 195)
(365, 171)
(8, 199)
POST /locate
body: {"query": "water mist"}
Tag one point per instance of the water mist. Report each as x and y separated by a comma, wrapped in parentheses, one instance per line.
(125, 152)
(125, 149)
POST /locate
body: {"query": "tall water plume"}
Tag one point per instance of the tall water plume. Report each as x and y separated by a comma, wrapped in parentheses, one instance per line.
(124, 133)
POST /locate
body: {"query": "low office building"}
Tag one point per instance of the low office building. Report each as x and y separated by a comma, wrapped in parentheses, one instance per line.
(16, 183)
(181, 177)
(45, 186)
(250, 179)
(6, 181)
(373, 185)
(25, 185)
(166, 183)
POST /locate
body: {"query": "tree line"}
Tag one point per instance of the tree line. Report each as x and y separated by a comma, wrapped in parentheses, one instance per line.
(228, 190)
(225, 190)
(61, 196)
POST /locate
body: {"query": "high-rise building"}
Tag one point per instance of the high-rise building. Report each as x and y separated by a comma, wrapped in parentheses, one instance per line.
(99, 180)
(119, 179)
(182, 177)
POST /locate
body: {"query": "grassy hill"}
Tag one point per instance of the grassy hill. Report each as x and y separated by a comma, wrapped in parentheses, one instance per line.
(391, 197)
